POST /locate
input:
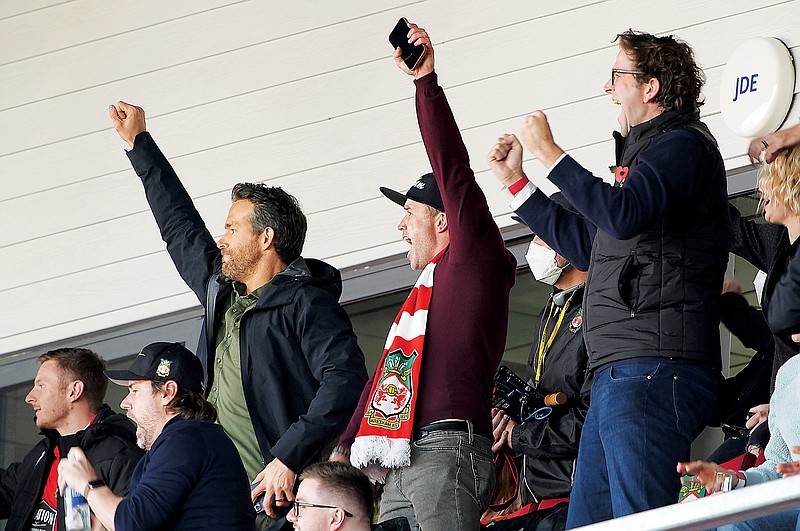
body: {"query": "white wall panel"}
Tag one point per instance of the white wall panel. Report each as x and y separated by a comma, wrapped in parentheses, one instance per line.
(261, 56)
(16, 8)
(303, 96)
(72, 24)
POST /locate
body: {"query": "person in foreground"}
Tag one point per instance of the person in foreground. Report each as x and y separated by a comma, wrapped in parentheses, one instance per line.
(67, 399)
(661, 235)
(782, 454)
(557, 363)
(426, 412)
(332, 496)
(283, 365)
(191, 476)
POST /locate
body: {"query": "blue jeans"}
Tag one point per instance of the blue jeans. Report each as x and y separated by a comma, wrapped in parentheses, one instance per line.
(643, 416)
(447, 486)
(785, 521)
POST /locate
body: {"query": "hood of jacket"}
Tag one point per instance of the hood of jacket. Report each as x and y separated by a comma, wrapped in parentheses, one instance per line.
(106, 424)
(302, 271)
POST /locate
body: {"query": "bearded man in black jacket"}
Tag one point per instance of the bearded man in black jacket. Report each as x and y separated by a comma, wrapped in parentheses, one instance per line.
(67, 399)
(282, 363)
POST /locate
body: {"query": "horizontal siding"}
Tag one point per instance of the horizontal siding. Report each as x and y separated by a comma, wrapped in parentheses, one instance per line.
(312, 103)
(48, 27)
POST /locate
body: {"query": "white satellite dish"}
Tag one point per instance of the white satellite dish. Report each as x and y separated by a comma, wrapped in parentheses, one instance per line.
(757, 87)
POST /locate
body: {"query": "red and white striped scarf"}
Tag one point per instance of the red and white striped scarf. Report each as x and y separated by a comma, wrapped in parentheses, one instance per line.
(384, 436)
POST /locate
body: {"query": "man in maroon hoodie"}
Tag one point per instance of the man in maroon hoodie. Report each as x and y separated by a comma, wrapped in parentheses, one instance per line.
(444, 478)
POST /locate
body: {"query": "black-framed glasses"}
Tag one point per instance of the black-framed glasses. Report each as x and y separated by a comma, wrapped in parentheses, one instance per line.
(296, 505)
(617, 71)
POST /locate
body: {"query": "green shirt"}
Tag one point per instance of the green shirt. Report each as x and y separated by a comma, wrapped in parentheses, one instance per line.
(227, 393)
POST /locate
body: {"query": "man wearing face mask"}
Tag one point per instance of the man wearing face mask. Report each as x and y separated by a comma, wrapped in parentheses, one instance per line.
(557, 363)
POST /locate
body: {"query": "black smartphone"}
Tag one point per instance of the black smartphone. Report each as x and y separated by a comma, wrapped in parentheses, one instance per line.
(411, 54)
(258, 505)
(735, 431)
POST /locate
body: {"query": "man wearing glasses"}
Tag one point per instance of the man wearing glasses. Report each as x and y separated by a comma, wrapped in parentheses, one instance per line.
(336, 496)
(651, 317)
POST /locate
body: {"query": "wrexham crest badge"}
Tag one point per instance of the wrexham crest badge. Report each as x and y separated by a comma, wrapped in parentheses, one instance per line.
(577, 321)
(391, 401)
(163, 368)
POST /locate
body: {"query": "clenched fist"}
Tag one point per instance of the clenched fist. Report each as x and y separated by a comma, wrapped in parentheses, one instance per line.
(128, 120)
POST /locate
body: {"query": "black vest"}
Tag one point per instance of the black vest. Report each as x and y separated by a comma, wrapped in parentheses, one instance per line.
(657, 294)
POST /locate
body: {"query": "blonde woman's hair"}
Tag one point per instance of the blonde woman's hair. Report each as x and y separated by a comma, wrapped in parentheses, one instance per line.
(781, 181)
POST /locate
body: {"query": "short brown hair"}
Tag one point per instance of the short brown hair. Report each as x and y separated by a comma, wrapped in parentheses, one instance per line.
(671, 62)
(84, 365)
(346, 482)
(276, 208)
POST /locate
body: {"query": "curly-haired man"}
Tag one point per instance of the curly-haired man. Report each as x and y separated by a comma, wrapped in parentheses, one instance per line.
(656, 244)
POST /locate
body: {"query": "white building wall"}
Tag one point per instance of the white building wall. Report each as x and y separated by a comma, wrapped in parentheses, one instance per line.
(299, 94)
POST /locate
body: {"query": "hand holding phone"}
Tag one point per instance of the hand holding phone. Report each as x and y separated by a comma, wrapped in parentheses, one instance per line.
(411, 54)
(258, 504)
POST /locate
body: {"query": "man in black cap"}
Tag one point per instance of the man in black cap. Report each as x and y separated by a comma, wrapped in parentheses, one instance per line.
(427, 410)
(191, 476)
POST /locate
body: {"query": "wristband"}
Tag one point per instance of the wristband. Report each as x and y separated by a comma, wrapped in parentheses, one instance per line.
(519, 185)
(94, 484)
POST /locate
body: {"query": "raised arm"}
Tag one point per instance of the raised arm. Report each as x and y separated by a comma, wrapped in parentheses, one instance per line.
(471, 225)
(666, 173)
(568, 233)
(189, 243)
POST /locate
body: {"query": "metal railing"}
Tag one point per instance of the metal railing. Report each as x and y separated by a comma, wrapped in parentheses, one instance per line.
(712, 511)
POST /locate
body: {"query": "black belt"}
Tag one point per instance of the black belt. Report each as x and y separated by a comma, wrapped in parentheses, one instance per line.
(450, 425)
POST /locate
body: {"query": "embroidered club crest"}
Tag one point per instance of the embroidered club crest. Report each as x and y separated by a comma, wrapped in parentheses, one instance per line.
(163, 368)
(576, 322)
(391, 401)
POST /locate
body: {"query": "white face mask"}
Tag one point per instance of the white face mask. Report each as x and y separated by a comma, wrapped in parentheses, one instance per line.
(542, 262)
(758, 284)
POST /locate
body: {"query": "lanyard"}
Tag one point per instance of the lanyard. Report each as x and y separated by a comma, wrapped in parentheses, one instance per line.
(544, 341)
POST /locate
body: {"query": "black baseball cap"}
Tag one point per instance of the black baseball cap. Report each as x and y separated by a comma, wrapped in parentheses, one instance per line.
(425, 190)
(161, 362)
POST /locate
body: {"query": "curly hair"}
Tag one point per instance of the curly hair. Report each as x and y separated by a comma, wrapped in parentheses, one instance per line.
(671, 62)
(274, 207)
(780, 181)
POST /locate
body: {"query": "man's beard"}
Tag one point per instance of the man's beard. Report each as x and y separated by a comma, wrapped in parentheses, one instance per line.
(242, 264)
(142, 440)
(144, 434)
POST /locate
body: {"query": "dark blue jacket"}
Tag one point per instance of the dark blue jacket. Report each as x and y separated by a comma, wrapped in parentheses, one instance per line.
(191, 478)
(660, 242)
(302, 369)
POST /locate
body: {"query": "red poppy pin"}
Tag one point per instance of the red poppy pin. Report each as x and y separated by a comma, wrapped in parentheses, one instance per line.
(620, 174)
